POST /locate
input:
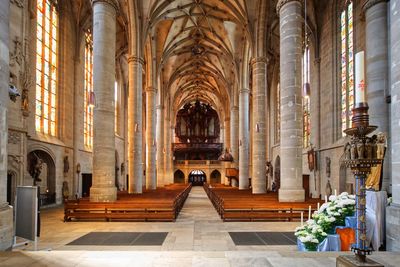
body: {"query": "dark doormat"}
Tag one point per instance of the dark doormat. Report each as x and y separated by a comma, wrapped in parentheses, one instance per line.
(120, 239)
(263, 238)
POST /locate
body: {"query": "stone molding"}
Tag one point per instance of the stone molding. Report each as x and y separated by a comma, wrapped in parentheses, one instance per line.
(234, 108)
(257, 60)
(113, 3)
(281, 3)
(244, 91)
(370, 3)
(151, 89)
(135, 60)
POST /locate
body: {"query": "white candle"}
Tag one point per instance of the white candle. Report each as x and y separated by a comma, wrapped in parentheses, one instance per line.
(318, 206)
(309, 212)
(335, 193)
(302, 220)
(326, 199)
(360, 78)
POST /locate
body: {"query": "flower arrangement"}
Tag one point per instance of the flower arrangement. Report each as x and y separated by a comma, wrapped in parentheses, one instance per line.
(310, 234)
(324, 221)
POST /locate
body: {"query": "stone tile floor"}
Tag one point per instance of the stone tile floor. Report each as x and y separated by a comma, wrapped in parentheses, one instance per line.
(197, 238)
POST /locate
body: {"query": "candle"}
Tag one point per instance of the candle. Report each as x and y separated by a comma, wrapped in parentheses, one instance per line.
(302, 219)
(326, 199)
(318, 206)
(335, 193)
(360, 78)
(309, 212)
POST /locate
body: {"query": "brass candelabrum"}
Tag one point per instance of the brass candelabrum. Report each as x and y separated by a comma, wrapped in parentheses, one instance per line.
(360, 156)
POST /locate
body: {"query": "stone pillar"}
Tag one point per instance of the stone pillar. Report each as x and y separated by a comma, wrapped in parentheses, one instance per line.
(160, 145)
(221, 135)
(6, 211)
(168, 175)
(151, 179)
(376, 41)
(104, 35)
(259, 182)
(243, 138)
(291, 22)
(234, 135)
(227, 133)
(135, 131)
(393, 211)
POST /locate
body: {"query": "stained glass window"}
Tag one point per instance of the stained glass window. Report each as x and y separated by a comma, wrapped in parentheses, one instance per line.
(88, 95)
(306, 97)
(347, 65)
(46, 67)
(116, 106)
(278, 113)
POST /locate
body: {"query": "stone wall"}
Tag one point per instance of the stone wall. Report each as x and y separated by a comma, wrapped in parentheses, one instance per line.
(22, 135)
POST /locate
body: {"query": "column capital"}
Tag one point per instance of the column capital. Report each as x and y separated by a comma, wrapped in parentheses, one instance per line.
(151, 89)
(244, 91)
(113, 3)
(281, 3)
(135, 59)
(370, 3)
(256, 60)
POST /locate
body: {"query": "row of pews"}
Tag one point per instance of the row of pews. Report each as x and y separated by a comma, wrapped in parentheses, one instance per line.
(162, 204)
(233, 204)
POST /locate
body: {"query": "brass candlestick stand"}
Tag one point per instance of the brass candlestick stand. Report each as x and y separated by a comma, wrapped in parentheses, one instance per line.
(360, 156)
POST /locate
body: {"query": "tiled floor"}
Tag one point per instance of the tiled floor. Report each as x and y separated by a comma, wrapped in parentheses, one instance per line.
(197, 238)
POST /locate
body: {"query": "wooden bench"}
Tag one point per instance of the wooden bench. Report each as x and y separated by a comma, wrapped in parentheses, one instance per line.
(241, 205)
(159, 205)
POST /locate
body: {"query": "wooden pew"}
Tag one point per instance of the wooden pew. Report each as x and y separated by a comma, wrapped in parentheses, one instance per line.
(241, 205)
(163, 204)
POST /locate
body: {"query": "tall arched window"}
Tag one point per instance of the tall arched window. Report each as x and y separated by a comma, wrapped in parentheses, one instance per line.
(116, 107)
(88, 95)
(347, 65)
(278, 113)
(306, 97)
(46, 66)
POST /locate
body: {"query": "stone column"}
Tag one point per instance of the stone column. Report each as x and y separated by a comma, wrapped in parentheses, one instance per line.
(151, 179)
(6, 211)
(168, 176)
(104, 35)
(160, 145)
(135, 131)
(234, 135)
(244, 138)
(376, 41)
(259, 182)
(291, 22)
(221, 135)
(227, 144)
(393, 211)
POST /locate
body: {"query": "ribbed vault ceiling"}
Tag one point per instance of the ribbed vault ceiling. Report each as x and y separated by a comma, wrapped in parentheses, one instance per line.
(199, 47)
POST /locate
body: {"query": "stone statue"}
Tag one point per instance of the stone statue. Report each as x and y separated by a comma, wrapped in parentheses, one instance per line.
(328, 188)
(65, 190)
(36, 169)
(360, 149)
(347, 153)
(328, 167)
(353, 150)
(66, 164)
